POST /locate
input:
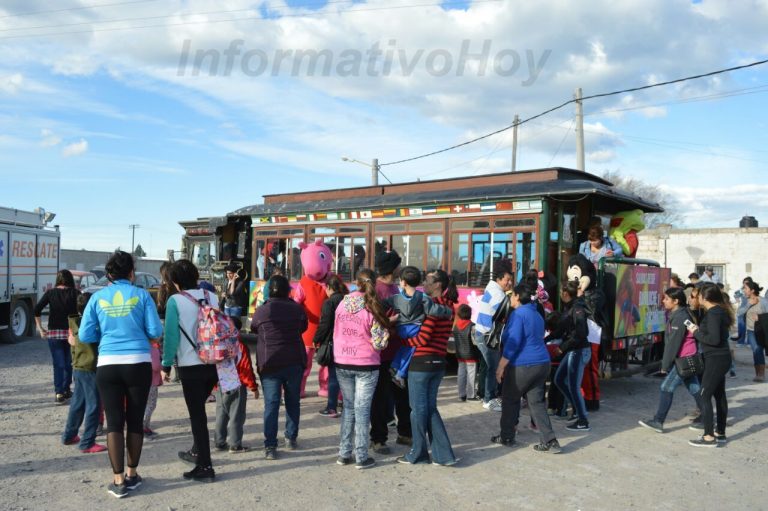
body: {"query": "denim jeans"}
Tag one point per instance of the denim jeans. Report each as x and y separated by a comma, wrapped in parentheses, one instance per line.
(741, 322)
(62, 365)
(668, 386)
(235, 312)
(333, 388)
(358, 388)
(491, 357)
(287, 379)
(83, 407)
(758, 355)
(230, 416)
(569, 375)
(426, 423)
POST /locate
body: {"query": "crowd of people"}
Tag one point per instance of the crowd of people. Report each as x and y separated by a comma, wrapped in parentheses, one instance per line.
(383, 345)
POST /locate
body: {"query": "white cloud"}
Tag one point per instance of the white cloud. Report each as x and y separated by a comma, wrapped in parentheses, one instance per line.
(12, 83)
(75, 149)
(49, 138)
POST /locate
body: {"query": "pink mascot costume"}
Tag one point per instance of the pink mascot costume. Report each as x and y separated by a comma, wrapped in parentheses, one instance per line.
(316, 260)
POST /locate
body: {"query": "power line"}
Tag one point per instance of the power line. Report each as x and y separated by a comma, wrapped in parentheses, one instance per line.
(594, 96)
(561, 142)
(248, 18)
(144, 18)
(693, 99)
(82, 7)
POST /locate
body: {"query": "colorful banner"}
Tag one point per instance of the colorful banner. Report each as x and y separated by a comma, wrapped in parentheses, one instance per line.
(639, 290)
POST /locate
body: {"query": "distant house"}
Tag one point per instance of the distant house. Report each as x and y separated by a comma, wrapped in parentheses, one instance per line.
(733, 252)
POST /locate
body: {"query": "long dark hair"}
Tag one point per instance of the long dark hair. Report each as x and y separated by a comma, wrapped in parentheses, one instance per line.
(65, 278)
(366, 284)
(167, 289)
(335, 284)
(447, 284)
(711, 293)
(678, 294)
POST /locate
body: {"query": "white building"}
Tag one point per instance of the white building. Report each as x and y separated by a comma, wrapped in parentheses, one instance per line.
(734, 253)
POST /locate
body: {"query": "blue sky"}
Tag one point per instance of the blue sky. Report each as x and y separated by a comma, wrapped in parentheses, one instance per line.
(105, 129)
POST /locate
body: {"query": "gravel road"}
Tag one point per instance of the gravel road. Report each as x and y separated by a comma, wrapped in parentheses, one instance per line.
(618, 465)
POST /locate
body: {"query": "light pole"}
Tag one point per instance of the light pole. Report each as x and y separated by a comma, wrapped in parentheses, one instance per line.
(133, 228)
(664, 230)
(374, 166)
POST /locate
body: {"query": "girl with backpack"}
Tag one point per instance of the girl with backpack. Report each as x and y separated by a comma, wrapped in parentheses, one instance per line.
(678, 342)
(197, 378)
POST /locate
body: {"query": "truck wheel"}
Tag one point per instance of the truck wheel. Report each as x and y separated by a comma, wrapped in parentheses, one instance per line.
(20, 322)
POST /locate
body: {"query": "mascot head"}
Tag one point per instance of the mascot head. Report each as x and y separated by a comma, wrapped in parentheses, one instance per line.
(624, 228)
(582, 271)
(316, 259)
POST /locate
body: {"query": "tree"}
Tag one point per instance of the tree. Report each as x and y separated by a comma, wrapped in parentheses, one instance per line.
(139, 252)
(650, 193)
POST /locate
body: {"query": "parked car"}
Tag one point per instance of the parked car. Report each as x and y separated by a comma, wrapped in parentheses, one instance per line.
(146, 280)
(99, 271)
(84, 279)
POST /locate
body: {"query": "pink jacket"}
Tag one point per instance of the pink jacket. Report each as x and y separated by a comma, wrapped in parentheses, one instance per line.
(357, 336)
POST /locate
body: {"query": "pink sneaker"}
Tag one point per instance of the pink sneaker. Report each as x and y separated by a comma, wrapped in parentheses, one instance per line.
(94, 448)
(75, 439)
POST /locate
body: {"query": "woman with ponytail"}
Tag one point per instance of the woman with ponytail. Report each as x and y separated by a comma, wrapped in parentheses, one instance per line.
(425, 374)
(359, 334)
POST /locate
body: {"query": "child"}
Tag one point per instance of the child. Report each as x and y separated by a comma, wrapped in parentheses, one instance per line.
(412, 307)
(554, 325)
(157, 380)
(85, 403)
(230, 406)
(466, 353)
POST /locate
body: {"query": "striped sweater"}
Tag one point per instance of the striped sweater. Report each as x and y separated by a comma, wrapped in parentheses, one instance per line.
(432, 341)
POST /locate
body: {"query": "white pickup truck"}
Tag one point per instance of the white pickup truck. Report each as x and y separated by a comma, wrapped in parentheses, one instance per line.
(29, 261)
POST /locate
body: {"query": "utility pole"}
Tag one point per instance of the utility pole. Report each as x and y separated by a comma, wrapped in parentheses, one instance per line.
(375, 172)
(514, 142)
(579, 131)
(133, 228)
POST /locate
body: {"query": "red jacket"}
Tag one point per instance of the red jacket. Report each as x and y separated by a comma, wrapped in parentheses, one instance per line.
(245, 368)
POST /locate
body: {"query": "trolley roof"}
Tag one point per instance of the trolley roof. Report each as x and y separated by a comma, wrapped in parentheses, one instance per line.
(554, 182)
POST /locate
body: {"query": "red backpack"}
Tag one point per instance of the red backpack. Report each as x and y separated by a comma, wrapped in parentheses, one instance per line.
(216, 333)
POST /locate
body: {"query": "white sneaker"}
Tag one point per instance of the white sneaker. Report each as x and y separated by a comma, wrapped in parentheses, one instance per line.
(493, 405)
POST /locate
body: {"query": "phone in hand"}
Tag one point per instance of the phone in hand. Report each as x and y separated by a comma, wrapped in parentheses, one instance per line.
(689, 324)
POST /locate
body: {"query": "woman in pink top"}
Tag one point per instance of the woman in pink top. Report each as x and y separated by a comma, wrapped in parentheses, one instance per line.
(679, 342)
(358, 338)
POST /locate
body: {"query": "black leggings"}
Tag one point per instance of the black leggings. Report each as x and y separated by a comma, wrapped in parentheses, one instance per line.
(197, 382)
(124, 389)
(713, 385)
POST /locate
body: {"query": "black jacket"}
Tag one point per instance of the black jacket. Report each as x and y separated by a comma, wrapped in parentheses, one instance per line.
(577, 330)
(465, 348)
(238, 298)
(324, 332)
(62, 303)
(713, 332)
(278, 324)
(674, 336)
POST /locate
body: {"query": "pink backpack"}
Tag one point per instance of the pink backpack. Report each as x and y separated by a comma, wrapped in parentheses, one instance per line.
(216, 333)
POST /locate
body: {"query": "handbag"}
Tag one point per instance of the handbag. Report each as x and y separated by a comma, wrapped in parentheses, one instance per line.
(324, 354)
(499, 322)
(692, 365)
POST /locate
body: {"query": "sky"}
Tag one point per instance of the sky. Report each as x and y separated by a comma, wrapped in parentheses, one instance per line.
(149, 112)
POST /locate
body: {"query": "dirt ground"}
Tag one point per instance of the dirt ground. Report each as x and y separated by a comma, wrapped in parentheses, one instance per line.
(617, 465)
